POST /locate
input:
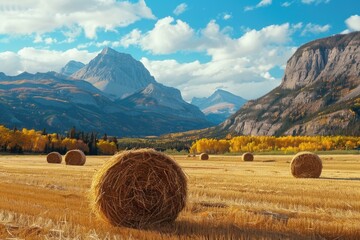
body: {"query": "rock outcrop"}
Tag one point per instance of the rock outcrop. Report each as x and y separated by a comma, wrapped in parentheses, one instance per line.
(319, 94)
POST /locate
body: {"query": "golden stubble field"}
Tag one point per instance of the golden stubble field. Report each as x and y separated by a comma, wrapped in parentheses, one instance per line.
(228, 199)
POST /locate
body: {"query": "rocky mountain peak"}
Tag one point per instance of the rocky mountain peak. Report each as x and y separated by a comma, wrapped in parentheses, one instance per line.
(110, 51)
(118, 74)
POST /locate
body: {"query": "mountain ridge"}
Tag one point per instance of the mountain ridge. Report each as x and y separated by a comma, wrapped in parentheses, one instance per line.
(57, 102)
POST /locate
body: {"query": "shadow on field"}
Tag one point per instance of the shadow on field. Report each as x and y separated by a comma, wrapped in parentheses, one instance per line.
(186, 229)
(335, 178)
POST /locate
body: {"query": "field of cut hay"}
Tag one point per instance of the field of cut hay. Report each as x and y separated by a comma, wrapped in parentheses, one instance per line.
(227, 199)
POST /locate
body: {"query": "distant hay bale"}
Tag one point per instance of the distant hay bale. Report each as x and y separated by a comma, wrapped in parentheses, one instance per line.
(248, 157)
(75, 157)
(139, 188)
(54, 157)
(204, 156)
(306, 165)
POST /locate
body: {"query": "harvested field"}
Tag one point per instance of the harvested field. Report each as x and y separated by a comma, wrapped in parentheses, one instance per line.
(227, 199)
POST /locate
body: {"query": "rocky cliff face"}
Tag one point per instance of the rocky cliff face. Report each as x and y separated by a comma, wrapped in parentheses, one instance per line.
(319, 94)
(115, 73)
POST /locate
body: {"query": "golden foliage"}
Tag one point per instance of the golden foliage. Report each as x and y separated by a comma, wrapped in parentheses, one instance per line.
(286, 144)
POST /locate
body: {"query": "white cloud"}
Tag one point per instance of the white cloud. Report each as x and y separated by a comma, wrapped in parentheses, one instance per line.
(353, 23)
(314, 1)
(40, 60)
(287, 4)
(262, 3)
(42, 16)
(133, 38)
(315, 29)
(50, 40)
(169, 37)
(200, 80)
(165, 37)
(227, 16)
(10, 63)
(180, 9)
(235, 62)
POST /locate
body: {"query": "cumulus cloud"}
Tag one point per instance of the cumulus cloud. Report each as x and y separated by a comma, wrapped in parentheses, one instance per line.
(34, 60)
(42, 16)
(167, 36)
(181, 8)
(315, 29)
(235, 62)
(200, 80)
(262, 3)
(353, 23)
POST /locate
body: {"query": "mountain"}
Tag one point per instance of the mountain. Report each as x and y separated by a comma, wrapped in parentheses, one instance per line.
(115, 73)
(219, 106)
(44, 100)
(157, 101)
(319, 94)
(56, 102)
(71, 67)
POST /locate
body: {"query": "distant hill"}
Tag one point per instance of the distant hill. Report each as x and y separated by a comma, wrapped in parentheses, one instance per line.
(219, 106)
(71, 67)
(319, 94)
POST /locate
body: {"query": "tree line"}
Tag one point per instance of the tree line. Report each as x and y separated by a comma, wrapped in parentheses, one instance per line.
(32, 141)
(286, 144)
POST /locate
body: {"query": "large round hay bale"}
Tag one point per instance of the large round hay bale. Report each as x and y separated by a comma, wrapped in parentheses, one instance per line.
(139, 188)
(54, 157)
(204, 156)
(248, 157)
(306, 165)
(75, 157)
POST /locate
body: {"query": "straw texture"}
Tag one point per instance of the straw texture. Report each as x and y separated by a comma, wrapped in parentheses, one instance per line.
(54, 157)
(139, 188)
(306, 165)
(75, 157)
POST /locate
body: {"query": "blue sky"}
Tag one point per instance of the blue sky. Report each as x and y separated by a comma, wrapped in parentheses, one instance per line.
(196, 46)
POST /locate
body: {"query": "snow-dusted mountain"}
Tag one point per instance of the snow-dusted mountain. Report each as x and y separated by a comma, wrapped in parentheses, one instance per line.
(219, 106)
(71, 67)
(115, 73)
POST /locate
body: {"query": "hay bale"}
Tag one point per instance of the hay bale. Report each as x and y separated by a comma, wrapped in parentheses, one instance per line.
(306, 165)
(248, 157)
(75, 157)
(54, 157)
(204, 156)
(139, 188)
